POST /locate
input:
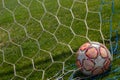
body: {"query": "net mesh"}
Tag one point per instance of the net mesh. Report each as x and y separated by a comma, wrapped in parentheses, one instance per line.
(39, 38)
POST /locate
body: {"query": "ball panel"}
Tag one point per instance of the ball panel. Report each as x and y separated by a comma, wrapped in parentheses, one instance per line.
(84, 46)
(88, 65)
(95, 44)
(92, 52)
(99, 61)
(78, 63)
(97, 71)
(103, 52)
(107, 64)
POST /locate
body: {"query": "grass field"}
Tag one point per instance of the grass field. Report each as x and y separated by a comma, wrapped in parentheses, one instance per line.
(39, 38)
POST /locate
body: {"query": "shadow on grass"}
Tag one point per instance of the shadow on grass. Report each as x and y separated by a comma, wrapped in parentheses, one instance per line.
(26, 67)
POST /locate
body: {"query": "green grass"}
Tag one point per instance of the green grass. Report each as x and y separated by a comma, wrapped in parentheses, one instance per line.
(47, 31)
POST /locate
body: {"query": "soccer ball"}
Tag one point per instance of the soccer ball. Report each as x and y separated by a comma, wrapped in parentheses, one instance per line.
(93, 58)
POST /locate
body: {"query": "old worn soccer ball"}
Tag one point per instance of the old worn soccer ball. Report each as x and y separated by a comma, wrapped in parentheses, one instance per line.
(93, 58)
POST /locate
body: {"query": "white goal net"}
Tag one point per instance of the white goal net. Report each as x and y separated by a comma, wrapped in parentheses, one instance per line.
(39, 38)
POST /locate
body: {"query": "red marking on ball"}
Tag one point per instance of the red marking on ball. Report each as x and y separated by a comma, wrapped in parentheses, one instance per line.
(78, 63)
(103, 52)
(92, 53)
(88, 65)
(84, 46)
(107, 64)
(97, 71)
